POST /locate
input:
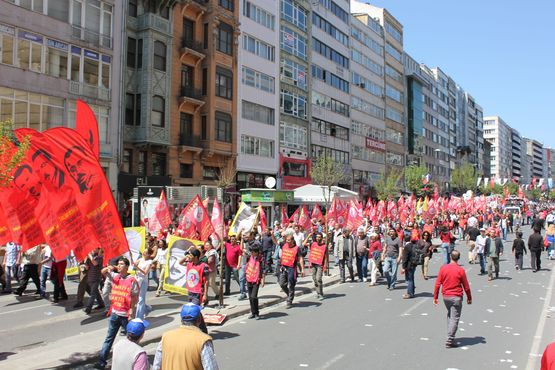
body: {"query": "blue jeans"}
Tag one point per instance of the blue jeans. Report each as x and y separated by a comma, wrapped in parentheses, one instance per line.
(482, 260)
(409, 279)
(446, 252)
(10, 273)
(243, 280)
(390, 271)
(44, 275)
(504, 232)
(362, 267)
(142, 308)
(153, 274)
(114, 323)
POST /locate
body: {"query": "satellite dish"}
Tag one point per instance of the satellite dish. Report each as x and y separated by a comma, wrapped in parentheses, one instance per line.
(270, 182)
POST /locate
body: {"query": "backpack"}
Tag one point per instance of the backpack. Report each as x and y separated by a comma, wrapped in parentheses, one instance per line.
(417, 256)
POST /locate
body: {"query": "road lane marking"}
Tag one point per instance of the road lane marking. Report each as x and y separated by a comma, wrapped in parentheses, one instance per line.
(26, 308)
(414, 307)
(541, 324)
(333, 361)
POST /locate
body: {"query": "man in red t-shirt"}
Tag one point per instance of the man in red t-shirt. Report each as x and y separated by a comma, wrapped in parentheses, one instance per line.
(232, 253)
(452, 279)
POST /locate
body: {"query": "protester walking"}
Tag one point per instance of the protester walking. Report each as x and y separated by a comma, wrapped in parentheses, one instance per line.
(125, 292)
(374, 257)
(535, 245)
(57, 277)
(481, 241)
(186, 347)
(161, 265)
(317, 257)
(94, 277)
(452, 280)
(391, 258)
(362, 248)
(232, 254)
(409, 264)
(291, 256)
(142, 267)
(30, 261)
(425, 245)
(127, 353)
(46, 268)
(255, 280)
(495, 250)
(344, 252)
(519, 250)
(11, 262)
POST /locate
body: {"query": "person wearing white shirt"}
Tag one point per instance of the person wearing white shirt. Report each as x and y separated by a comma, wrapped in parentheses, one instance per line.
(46, 263)
(481, 241)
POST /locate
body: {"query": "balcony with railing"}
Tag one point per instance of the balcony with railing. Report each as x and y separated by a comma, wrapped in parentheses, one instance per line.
(192, 52)
(190, 142)
(190, 99)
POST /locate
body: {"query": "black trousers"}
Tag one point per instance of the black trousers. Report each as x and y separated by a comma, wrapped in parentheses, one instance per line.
(536, 259)
(253, 297)
(30, 271)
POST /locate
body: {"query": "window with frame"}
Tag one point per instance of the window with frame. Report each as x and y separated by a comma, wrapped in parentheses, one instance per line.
(368, 63)
(330, 53)
(361, 36)
(223, 127)
(258, 80)
(224, 83)
(258, 47)
(126, 160)
(326, 102)
(133, 109)
(56, 59)
(393, 93)
(257, 146)
(210, 173)
(132, 8)
(159, 164)
(186, 171)
(160, 56)
(394, 32)
(7, 45)
(141, 164)
(330, 78)
(367, 85)
(257, 112)
(224, 39)
(293, 104)
(292, 42)
(226, 4)
(392, 72)
(134, 53)
(259, 15)
(330, 29)
(293, 72)
(393, 114)
(331, 129)
(336, 10)
(367, 107)
(158, 115)
(391, 50)
(293, 136)
(293, 13)
(337, 156)
(203, 127)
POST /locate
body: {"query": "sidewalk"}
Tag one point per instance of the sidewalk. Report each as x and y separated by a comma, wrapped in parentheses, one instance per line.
(79, 350)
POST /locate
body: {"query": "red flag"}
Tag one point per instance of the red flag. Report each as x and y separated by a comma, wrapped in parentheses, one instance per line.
(295, 216)
(217, 219)
(317, 213)
(330, 213)
(5, 231)
(71, 152)
(354, 218)
(161, 218)
(195, 222)
(284, 217)
(304, 218)
(87, 127)
(262, 217)
(436, 192)
(492, 182)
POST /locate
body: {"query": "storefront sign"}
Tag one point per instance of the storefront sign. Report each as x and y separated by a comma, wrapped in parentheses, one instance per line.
(30, 36)
(375, 144)
(57, 45)
(267, 196)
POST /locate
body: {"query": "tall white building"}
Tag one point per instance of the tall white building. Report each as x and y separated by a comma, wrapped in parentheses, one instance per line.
(499, 135)
(258, 94)
(330, 86)
(367, 102)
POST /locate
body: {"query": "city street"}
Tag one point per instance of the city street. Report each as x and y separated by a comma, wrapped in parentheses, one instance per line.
(507, 327)
(357, 326)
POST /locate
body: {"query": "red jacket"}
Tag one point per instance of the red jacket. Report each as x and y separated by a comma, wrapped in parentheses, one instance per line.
(548, 358)
(452, 279)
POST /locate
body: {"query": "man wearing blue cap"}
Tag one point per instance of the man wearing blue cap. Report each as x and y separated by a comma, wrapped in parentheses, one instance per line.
(128, 354)
(187, 347)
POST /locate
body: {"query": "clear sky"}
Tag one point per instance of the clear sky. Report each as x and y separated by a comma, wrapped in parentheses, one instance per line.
(500, 51)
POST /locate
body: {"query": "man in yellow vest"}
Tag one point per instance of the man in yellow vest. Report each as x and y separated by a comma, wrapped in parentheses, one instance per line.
(187, 347)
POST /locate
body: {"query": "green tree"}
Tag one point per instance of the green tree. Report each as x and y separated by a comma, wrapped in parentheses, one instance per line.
(534, 194)
(388, 186)
(488, 190)
(513, 188)
(464, 177)
(413, 179)
(10, 155)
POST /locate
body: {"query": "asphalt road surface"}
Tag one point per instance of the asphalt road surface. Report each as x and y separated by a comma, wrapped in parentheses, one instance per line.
(362, 327)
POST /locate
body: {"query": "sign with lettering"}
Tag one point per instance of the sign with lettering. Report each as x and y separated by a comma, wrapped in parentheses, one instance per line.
(375, 144)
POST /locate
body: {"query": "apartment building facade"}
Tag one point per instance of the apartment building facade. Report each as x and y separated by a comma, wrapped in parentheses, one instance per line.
(258, 93)
(499, 135)
(53, 52)
(534, 151)
(367, 136)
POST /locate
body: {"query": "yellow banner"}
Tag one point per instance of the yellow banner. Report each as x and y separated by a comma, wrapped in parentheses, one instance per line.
(176, 274)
